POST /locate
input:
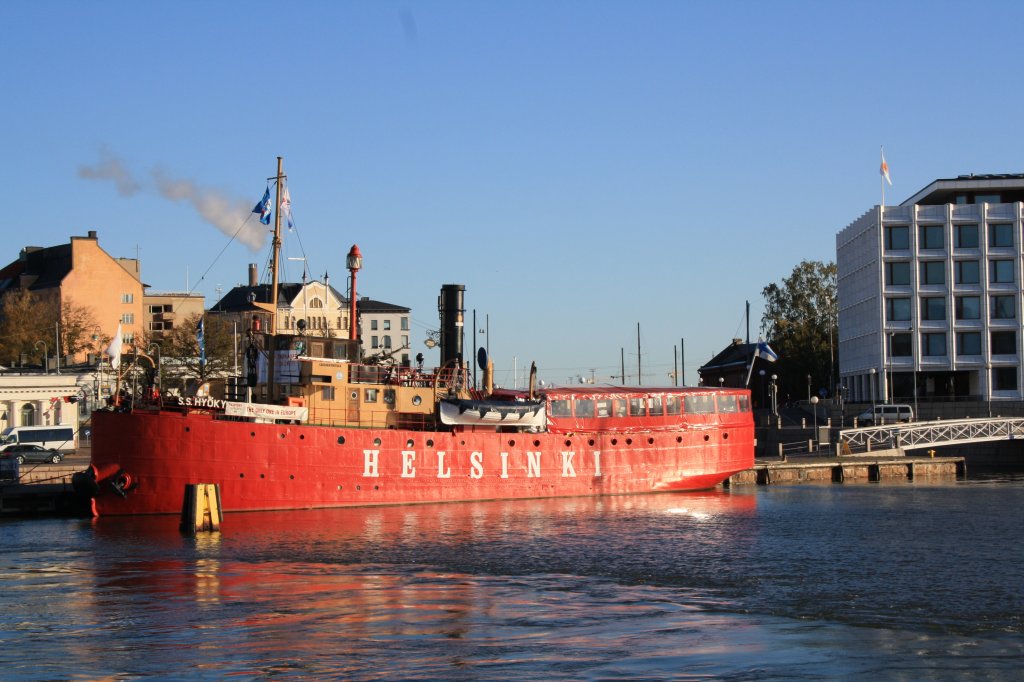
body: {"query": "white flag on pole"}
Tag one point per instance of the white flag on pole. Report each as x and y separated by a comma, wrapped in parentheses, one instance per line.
(114, 349)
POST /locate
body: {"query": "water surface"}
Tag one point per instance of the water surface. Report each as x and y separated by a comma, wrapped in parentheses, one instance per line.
(900, 581)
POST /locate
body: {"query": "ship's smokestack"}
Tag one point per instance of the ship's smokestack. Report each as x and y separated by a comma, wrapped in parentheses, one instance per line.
(253, 275)
(450, 307)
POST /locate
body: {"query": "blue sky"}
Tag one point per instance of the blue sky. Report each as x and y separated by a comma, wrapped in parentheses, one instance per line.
(581, 167)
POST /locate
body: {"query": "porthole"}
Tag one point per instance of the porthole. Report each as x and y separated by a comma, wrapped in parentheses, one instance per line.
(615, 441)
(650, 441)
(302, 436)
(354, 395)
(590, 442)
(416, 400)
(679, 439)
(707, 437)
(241, 475)
(341, 487)
(291, 477)
(376, 442)
(568, 442)
(462, 442)
(430, 442)
(629, 441)
(341, 440)
(725, 436)
(252, 434)
(409, 443)
(281, 436)
(376, 487)
(187, 429)
(536, 443)
(359, 487)
(512, 443)
(262, 476)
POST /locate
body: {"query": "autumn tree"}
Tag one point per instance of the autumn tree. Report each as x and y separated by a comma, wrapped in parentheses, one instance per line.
(28, 318)
(179, 348)
(79, 331)
(800, 322)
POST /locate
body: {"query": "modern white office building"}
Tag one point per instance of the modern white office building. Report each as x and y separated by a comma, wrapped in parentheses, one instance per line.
(930, 294)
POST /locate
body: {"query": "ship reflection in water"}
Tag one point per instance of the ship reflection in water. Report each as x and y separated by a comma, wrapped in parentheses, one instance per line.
(786, 583)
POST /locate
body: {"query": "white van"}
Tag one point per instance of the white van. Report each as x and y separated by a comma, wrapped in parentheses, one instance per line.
(61, 438)
(885, 414)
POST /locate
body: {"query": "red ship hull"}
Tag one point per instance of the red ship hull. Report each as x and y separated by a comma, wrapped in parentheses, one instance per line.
(143, 460)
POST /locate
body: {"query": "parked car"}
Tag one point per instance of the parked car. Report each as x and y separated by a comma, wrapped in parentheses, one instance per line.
(886, 414)
(27, 452)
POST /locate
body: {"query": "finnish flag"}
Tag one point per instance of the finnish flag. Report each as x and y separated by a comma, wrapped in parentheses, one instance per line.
(765, 352)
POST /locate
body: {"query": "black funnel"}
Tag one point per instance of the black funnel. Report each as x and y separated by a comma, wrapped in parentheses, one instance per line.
(450, 307)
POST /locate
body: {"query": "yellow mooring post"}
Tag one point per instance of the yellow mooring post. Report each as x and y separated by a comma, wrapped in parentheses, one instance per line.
(200, 510)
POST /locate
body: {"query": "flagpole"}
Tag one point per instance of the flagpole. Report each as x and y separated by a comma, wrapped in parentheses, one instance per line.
(277, 249)
(881, 176)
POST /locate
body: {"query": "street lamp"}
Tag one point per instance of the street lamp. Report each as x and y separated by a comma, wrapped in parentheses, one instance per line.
(808, 388)
(814, 406)
(890, 391)
(721, 382)
(46, 356)
(872, 394)
(775, 395)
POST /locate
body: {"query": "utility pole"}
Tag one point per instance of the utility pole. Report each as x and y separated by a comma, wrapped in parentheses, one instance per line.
(639, 374)
(675, 364)
(682, 358)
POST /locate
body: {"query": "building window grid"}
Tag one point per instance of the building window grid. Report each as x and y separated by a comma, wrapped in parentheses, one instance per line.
(965, 236)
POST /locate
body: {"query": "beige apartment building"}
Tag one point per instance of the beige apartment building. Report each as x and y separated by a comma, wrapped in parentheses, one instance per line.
(82, 273)
(164, 311)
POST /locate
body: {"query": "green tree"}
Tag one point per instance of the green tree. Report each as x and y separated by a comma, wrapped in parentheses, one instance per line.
(179, 349)
(801, 324)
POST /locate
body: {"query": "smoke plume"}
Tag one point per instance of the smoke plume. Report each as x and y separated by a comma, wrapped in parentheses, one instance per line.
(110, 168)
(231, 215)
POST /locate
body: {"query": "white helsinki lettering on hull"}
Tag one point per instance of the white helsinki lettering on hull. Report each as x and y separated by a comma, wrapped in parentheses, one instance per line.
(441, 471)
(408, 470)
(532, 464)
(372, 464)
(567, 469)
(370, 458)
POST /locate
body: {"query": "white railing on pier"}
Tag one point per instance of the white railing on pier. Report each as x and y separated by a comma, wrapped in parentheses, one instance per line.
(924, 434)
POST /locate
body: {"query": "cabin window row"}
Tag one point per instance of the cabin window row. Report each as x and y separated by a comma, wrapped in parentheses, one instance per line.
(647, 406)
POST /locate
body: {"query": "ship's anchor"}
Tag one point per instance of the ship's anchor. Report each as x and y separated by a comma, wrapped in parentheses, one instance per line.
(123, 483)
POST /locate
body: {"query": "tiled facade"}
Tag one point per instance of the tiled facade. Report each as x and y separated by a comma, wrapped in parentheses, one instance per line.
(930, 294)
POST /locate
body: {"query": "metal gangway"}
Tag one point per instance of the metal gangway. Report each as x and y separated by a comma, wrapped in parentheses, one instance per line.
(916, 435)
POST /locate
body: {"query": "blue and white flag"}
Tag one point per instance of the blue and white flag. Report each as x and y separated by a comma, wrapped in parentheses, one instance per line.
(201, 338)
(764, 351)
(263, 208)
(286, 207)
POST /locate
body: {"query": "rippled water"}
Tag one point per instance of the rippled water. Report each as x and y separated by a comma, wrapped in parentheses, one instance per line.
(904, 582)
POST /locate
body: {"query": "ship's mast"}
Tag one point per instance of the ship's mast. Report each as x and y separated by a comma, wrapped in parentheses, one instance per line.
(276, 248)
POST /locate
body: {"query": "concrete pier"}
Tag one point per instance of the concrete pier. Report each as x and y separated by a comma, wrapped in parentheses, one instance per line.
(879, 466)
(42, 490)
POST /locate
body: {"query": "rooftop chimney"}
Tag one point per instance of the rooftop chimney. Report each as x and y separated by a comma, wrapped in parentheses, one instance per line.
(92, 234)
(253, 275)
